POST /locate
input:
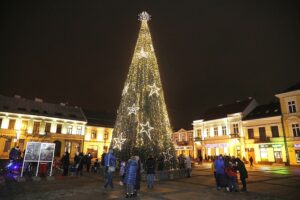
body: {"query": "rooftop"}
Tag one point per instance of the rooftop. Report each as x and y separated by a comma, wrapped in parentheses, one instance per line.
(292, 88)
(103, 119)
(263, 111)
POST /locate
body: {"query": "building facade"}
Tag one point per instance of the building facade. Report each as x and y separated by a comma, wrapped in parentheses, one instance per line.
(220, 130)
(264, 136)
(23, 120)
(183, 142)
(290, 108)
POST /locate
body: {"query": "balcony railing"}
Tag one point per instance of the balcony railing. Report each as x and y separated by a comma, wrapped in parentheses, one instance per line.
(182, 143)
(262, 140)
(234, 135)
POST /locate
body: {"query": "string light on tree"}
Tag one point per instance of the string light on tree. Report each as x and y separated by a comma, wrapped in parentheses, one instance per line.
(133, 109)
(125, 90)
(146, 128)
(119, 141)
(153, 89)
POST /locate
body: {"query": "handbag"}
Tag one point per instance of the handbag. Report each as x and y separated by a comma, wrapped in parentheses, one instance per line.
(111, 169)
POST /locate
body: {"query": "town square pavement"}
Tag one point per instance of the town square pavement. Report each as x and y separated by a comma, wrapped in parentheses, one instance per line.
(264, 182)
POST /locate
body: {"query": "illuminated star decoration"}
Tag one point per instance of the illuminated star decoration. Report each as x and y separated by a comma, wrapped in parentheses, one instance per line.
(119, 141)
(146, 128)
(154, 90)
(142, 54)
(133, 109)
(144, 16)
(125, 89)
(167, 155)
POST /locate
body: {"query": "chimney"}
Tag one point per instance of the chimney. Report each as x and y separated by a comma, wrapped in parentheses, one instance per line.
(38, 100)
(17, 96)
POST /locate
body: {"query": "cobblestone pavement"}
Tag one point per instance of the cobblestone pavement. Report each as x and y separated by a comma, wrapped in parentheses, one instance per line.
(264, 183)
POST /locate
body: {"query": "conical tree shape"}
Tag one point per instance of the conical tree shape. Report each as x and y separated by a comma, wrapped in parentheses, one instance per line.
(142, 126)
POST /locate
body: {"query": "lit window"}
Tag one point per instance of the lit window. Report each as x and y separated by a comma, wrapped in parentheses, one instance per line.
(207, 132)
(216, 131)
(198, 132)
(235, 128)
(69, 129)
(274, 130)
(11, 124)
(58, 128)
(224, 131)
(292, 106)
(250, 133)
(47, 128)
(24, 125)
(296, 130)
(106, 135)
(79, 130)
(36, 127)
(93, 134)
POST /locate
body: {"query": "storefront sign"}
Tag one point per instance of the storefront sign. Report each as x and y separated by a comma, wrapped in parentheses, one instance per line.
(297, 145)
(184, 148)
(265, 145)
(276, 145)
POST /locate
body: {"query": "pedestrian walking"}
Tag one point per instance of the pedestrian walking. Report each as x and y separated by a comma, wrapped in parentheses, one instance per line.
(65, 162)
(188, 166)
(137, 186)
(150, 168)
(78, 160)
(96, 166)
(243, 173)
(220, 173)
(88, 161)
(130, 176)
(122, 172)
(110, 168)
(251, 161)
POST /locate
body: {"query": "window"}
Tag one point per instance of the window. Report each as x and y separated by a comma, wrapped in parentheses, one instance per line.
(207, 132)
(47, 128)
(58, 128)
(79, 130)
(7, 145)
(24, 125)
(36, 128)
(11, 124)
(0, 122)
(262, 134)
(93, 134)
(106, 135)
(250, 133)
(236, 128)
(216, 131)
(292, 106)
(224, 131)
(198, 133)
(296, 130)
(69, 129)
(264, 154)
(68, 147)
(275, 131)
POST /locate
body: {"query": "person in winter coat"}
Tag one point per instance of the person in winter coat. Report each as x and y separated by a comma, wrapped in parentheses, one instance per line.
(243, 173)
(65, 162)
(78, 160)
(130, 176)
(188, 166)
(110, 166)
(150, 167)
(15, 153)
(88, 160)
(251, 161)
(231, 173)
(220, 173)
(138, 176)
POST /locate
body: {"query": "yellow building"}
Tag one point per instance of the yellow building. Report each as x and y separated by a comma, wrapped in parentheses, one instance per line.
(220, 130)
(264, 138)
(290, 108)
(183, 142)
(23, 120)
(98, 133)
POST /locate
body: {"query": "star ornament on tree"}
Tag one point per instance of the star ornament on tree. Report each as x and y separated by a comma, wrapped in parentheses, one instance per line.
(146, 128)
(119, 141)
(142, 54)
(167, 155)
(153, 90)
(133, 109)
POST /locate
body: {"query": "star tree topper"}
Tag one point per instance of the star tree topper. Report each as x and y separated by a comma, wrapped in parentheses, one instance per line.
(153, 89)
(146, 128)
(133, 109)
(119, 141)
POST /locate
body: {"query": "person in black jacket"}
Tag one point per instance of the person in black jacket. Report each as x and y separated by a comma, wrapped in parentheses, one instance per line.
(78, 160)
(243, 173)
(65, 161)
(150, 166)
(88, 161)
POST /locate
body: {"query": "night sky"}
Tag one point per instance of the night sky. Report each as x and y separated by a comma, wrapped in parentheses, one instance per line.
(209, 52)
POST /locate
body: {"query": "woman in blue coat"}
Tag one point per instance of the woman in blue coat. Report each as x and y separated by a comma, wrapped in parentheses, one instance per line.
(130, 177)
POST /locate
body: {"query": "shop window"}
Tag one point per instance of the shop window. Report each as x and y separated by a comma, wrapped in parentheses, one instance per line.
(292, 106)
(296, 130)
(224, 131)
(7, 145)
(58, 128)
(69, 129)
(236, 128)
(47, 128)
(264, 154)
(36, 128)
(250, 133)
(79, 130)
(216, 131)
(298, 155)
(94, 134)
(275, 131)
(262, 134)
(11, 124)
(93, 150)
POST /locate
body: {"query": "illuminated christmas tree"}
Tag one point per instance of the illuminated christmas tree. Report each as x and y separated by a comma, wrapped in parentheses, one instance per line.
(142, 126)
